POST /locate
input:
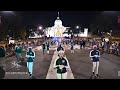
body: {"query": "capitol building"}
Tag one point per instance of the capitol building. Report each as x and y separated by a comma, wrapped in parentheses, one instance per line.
(57, 30)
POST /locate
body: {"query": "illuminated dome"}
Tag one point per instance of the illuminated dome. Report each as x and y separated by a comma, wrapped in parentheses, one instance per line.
(58, 22)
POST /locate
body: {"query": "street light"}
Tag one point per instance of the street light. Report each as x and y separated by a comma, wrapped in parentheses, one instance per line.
(77, 27)
(40, 27)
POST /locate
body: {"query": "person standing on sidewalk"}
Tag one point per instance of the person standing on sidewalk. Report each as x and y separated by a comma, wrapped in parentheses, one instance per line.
(95, 55)
(62, 66)
(18, 50)
(30, 55)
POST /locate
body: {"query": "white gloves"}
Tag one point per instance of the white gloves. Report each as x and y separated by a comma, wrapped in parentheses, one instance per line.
(96, 56)
(61, 66)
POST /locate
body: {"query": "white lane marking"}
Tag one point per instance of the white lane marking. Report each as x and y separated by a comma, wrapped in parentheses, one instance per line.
(52, 72)
(15, 64)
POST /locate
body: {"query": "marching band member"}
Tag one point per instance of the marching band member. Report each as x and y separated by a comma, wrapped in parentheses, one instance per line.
(30, 55)
(48, 47)
(72, 48)
(95, 55)
(62, 66)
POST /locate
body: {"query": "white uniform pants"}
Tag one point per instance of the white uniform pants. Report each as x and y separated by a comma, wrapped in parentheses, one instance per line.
(30, 67)
(72, 51)
(95, 67)
(62, 76)
(47, 51)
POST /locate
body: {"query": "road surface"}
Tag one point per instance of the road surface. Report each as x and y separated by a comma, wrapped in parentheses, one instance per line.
(80, 64)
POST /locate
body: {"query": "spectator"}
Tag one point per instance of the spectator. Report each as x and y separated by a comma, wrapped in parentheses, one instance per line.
(18, 50)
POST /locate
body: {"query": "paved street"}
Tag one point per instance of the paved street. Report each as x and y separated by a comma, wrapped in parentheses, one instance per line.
(40, 68)
(80, 64)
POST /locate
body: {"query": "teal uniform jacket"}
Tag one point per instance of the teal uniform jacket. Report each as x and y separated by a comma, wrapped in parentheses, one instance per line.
(71, 47)
(60, 48)
(2, 52)
(94, 53)
(18, 49)
(30, 55)
(47, 46)
(43, 46)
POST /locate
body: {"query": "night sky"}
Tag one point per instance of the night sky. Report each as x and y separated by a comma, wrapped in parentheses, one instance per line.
(47, 18)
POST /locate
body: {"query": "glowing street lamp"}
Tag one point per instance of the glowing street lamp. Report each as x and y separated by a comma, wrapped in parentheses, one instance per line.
(40, 27)
(77, 27)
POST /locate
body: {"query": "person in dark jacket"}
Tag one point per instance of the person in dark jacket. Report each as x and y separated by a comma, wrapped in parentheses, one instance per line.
(30, 55)
(2, 72)
(2, 55)
(43, 47)
(18, 50)
(95, 55)
(2, 51)
(47, 46)
(72, 48)
(60, 48)
(62, 66)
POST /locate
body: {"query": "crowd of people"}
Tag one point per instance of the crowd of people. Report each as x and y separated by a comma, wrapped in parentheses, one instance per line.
(109, 47)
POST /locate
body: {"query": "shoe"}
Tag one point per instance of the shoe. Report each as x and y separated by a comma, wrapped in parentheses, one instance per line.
(30, 75)
(92, 75)
(96, 76)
